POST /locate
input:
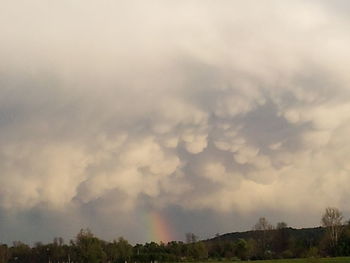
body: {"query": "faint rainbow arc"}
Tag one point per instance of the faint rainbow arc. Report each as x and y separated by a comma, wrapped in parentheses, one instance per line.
(159, 228)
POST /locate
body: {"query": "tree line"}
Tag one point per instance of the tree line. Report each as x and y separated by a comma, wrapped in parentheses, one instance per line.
(264, 241)
(87, 248)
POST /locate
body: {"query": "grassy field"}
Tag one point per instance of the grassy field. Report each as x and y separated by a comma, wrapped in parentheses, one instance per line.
(307, 260)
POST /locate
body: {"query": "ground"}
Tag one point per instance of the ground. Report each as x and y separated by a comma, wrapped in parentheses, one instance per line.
(309, 260)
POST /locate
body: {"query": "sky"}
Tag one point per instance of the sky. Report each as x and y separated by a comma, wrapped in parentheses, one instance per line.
(150, 119)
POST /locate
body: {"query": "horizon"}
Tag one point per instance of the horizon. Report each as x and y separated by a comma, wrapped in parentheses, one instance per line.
(152, 119)
(166, 241)
(215, 236)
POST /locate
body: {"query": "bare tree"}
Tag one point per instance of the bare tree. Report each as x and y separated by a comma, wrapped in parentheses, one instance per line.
(191, 238)
(263, 230)
(262, 225)
(332, 219)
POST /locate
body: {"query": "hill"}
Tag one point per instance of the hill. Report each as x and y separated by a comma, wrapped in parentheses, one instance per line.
(311, 235)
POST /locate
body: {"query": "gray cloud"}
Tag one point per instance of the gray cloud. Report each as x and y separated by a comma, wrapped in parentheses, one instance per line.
(194, 109)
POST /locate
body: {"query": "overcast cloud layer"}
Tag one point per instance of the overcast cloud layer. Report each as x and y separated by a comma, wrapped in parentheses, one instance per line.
(210, 113)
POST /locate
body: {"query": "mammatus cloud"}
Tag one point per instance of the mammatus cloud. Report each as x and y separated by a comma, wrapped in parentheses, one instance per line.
(117, 106)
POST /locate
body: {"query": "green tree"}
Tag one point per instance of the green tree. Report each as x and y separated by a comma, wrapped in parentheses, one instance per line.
(242, 249)
(88, 248)
(20, 252)
(123, 250)
(344, 242)
(176, 249)
(198, 251)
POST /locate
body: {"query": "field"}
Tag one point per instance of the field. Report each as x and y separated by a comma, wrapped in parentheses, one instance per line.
(307, 260)
(301, 260)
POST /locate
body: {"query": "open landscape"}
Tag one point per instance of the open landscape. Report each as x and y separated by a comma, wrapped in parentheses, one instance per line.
(264, 243)
(164, 131)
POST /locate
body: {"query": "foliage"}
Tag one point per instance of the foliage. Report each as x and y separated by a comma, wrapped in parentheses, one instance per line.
(264, 243)
(88, 248)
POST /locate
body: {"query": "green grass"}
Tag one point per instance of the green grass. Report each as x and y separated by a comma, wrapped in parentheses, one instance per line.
(306, 260)
(299, 260)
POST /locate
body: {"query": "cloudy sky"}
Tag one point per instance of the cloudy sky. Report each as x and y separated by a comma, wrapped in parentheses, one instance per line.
(205, 114)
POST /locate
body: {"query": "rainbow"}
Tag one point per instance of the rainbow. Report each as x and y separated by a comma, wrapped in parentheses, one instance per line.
(159, 230)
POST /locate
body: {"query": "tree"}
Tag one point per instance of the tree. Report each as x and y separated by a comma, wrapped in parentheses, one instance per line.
(88, 247)
(263, 225)
(20, 252)
(4, 253)
(344, 241)
(197, 251)
(191, 238)
(281, 238)
(262, 228)
(177, 249)
(332, 220)
(123, 250)
(241, 249)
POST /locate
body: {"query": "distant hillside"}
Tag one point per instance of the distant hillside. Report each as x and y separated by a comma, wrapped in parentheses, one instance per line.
(311, 235)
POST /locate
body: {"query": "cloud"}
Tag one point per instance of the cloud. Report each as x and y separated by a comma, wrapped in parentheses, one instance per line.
(118, 107)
